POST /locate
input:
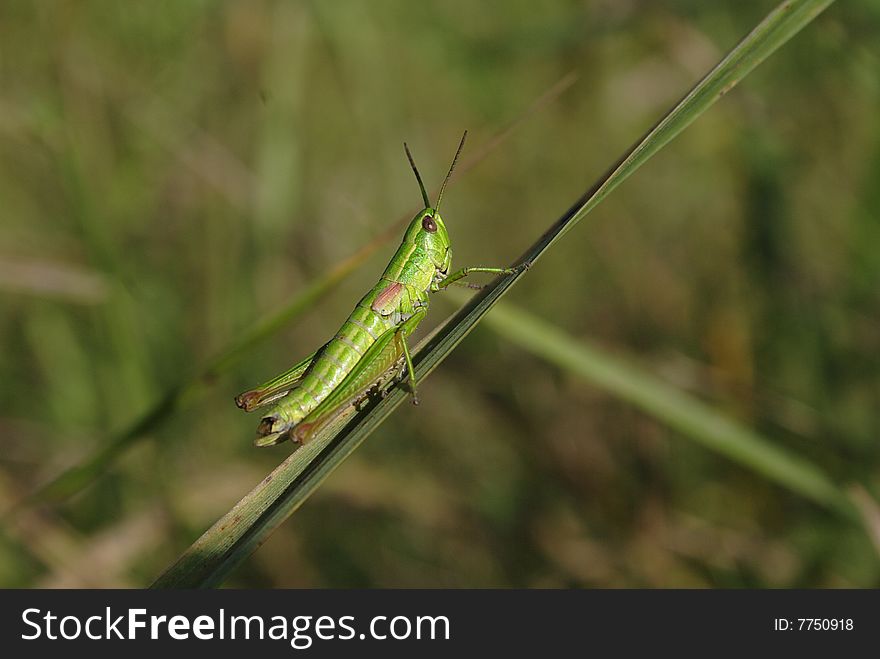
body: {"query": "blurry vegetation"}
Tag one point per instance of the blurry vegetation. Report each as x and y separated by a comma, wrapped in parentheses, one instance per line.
(171, 172)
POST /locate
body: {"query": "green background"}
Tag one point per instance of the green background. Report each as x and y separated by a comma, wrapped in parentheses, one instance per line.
(171, 172)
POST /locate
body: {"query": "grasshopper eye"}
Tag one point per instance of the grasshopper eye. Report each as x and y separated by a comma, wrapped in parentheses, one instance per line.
(428, 224)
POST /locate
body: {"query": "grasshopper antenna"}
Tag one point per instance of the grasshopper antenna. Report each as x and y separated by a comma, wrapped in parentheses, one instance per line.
(451, 168)
(418, 178)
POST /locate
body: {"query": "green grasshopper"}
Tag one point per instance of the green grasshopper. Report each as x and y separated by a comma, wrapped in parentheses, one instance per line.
(370, 348)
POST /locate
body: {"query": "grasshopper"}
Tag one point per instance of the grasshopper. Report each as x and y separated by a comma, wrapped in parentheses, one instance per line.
(370, 348)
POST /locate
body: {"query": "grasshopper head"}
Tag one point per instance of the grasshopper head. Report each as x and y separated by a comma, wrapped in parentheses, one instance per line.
(427, 229)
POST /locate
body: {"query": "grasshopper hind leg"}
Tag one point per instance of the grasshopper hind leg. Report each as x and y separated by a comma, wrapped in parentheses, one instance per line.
(375, 372)
(278, 387)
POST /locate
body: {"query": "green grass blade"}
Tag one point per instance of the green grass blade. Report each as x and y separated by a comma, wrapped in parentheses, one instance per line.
(234, 536)
(246, 526)
(243, 529)
(686, 414)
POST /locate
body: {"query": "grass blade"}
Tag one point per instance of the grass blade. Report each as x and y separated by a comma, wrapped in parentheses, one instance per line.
(226, 544)
(686, 414)
(240, 531)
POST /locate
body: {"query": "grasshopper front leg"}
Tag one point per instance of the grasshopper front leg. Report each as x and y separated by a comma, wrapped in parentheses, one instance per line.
(464, 272)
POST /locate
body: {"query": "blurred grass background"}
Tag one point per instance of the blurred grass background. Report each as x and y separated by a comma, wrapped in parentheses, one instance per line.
(170, 172)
